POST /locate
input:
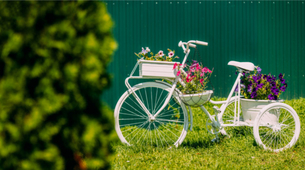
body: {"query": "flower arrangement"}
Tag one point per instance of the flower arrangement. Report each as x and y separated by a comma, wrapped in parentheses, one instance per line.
(146, 54)
(261, 86)
(195, 79)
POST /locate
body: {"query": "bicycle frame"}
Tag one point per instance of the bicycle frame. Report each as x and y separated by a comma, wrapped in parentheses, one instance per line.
(163, 125)
(174, 84)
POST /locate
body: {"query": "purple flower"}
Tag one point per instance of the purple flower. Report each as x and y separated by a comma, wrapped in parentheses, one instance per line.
(260, 85)
(265, 76)
(281, 76)
(273, 78)
(249, 89)
(282, 81)
(269, 78)
(272, 97)
(242, 87)
(283, 88)
(275, 91)
(273, 84)
(259, 70)
(255, 78)
(253, 94)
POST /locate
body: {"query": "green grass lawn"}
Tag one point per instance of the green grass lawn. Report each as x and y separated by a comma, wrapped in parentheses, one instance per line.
(240, 151)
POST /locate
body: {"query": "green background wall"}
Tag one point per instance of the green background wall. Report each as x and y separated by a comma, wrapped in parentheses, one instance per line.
(268, 33)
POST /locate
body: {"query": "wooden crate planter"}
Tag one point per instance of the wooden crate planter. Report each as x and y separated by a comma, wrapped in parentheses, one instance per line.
(157, 68)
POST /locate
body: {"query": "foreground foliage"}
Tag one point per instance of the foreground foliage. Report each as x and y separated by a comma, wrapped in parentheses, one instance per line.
(198, 152)
(53, 58)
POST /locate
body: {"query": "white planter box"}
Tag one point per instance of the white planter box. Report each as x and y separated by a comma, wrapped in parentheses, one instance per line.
(196, 99)
(157, 68)
(251, 109)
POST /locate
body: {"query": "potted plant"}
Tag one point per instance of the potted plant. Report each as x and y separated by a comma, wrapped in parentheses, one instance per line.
(158, 65)
(260, 90)
(193, 83)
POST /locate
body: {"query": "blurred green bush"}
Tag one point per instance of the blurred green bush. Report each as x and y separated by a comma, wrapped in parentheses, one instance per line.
(53, 58)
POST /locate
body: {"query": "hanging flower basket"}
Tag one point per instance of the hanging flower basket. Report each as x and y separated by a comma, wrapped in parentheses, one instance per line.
(157, 69)
(251, 109)
(196, 99)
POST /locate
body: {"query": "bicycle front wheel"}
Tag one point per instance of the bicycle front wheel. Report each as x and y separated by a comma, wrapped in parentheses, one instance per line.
(277, 127)
(133, 125)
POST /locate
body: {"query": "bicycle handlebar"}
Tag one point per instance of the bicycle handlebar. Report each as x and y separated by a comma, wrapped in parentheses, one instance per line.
(189, 44)
(201, 43)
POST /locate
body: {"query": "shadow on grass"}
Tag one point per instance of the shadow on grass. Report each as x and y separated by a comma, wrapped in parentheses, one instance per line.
(198, 139)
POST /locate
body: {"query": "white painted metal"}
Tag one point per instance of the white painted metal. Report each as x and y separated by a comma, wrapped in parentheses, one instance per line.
(134, 127)
(157, 68)
(191, 118)
(242, 65)
(149, 113)
(251, 108)
(196, 99)
(280, 133)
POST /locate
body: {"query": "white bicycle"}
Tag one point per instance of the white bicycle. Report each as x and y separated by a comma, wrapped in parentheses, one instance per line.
(152, 113)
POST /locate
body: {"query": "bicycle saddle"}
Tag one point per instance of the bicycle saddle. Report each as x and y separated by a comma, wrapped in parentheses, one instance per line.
(242, 65)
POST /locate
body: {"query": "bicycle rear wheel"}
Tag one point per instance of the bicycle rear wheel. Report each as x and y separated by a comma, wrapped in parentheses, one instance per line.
(133, 125)
(277, 127)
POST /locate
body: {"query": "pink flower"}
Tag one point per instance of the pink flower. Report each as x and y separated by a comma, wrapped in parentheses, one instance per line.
(188, 79)
(170, 54)
(175, 65)
(178, 73)
(197, 67)
(205, 70)
(160, 53)
(201, 81)
(202, 74)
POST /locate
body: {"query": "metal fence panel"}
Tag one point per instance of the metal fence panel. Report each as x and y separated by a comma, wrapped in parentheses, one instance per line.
(268, 33)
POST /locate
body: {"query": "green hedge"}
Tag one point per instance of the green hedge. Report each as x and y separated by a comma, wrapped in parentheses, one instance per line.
(53, 58)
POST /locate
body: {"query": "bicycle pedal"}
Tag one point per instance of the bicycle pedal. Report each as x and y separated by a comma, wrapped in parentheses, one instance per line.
(216, 109)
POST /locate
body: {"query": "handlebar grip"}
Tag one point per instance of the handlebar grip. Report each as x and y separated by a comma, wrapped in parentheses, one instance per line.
(192, 45)
(201, 43)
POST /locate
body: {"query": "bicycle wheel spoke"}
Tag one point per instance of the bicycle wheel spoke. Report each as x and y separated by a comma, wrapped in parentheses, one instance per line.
(132, 115)
(133, 109)
(133, 125)
(156, 131)
(169, 130)
(280, 133)
(165, 120)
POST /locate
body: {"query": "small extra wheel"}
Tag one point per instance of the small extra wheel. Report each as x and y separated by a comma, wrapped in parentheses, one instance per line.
(134, 126)
(277, 127)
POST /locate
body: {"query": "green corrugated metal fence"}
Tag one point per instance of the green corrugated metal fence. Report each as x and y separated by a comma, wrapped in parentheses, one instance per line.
(268, 33)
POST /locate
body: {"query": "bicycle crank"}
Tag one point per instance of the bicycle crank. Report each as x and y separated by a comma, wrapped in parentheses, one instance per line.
(212, 126)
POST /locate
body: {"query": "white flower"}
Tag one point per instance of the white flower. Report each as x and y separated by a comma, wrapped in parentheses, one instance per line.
(170, 54)
(160, 53)
(147, 49)
(143, 51)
